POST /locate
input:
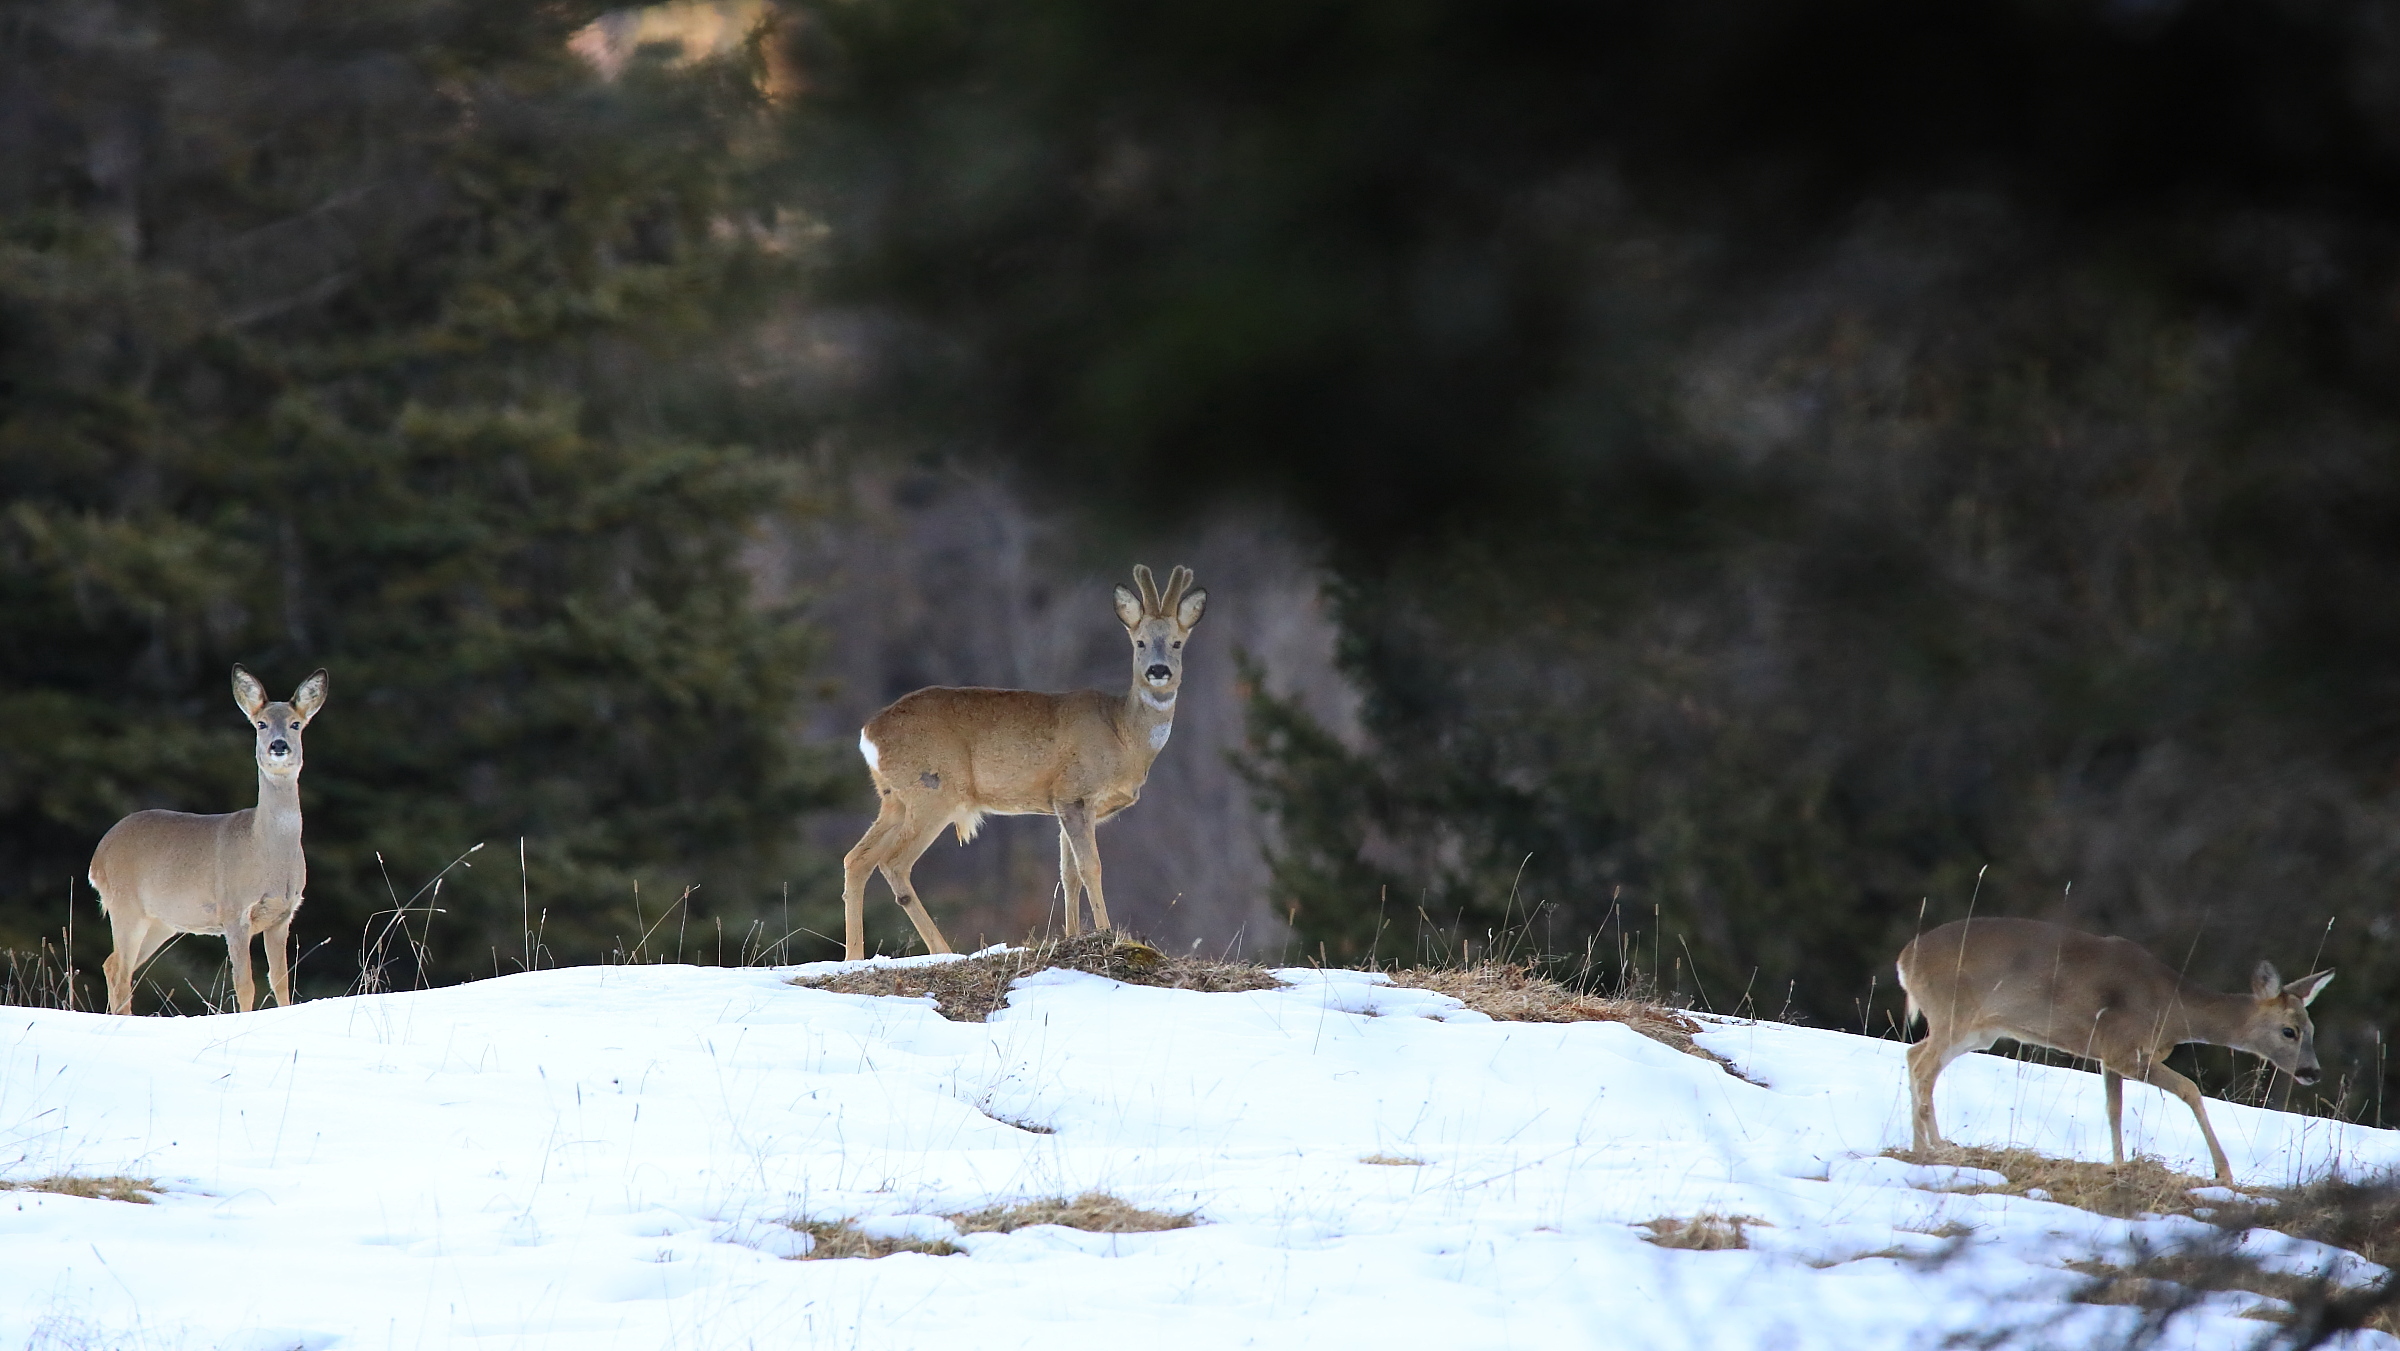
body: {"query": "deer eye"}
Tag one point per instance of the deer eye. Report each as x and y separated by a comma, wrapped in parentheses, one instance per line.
(262, 727)
(2290, 1034)
(1139, 643)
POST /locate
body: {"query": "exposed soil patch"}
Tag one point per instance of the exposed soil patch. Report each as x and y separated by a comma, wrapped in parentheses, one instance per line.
(970, 990)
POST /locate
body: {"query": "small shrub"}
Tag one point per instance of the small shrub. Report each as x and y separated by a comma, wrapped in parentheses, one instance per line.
(2362, 1217)
(1393, 1161)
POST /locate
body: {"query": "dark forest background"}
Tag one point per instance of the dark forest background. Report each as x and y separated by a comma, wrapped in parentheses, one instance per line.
(1723, 483)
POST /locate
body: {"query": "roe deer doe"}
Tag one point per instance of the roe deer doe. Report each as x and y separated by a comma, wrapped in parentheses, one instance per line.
(1976, 981)
(948, 757)
(163, 873)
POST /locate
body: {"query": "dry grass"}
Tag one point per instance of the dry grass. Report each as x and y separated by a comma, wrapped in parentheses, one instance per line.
(1015, 1123)
(1092, 1212)
(133, 1189)
(2360, 1217)
(2174, 1281)
(1706, 1232)
(2140, 1186)
(970, 990)
(841, 1238)
(1393, 1161)
(1514, 992)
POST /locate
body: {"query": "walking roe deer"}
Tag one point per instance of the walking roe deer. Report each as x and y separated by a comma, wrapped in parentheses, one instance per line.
(946, 756)
(162, 873)
(1978, 980)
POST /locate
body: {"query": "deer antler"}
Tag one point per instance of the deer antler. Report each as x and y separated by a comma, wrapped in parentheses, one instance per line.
(1178, 581)
(1148, 587)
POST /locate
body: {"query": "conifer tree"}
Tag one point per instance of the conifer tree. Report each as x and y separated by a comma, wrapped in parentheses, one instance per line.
(378, 336)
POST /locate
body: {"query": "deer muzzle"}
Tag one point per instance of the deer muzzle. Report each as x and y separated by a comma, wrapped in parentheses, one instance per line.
(1158, 674)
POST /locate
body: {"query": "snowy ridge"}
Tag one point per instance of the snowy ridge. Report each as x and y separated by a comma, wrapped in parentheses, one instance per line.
(601, 1157)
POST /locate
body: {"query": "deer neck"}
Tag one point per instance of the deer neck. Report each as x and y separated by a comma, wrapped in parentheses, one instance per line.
(278, 813)
(2202, 1014)
(1149, 717)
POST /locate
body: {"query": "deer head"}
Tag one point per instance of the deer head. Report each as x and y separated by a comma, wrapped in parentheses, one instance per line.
(2279, 1029)
(278, 723)
(1157, 623)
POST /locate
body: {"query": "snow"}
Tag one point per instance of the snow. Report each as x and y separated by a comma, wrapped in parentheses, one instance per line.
(603, 1157)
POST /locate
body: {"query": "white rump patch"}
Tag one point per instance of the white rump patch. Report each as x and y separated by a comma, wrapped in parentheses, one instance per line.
(867, 749)
(1160, 733)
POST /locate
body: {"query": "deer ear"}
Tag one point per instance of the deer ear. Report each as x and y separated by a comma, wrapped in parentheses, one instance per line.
(247, 692)
(2264, 983)
(310, 696)
(1187, 611)
(2307, 988)
(1129, 608)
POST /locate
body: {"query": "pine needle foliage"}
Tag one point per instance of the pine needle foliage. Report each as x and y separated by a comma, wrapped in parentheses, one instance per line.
(370, 336)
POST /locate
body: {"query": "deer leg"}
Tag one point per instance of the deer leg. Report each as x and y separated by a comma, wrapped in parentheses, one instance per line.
(131, 941)
(237, 947)
(145, 937)
(904, 891)
(279, 960)
(1075, 825)
(1926, 1061)
(1070, 883)
(865, 857)
(2162, 1077)
(2115, 1083)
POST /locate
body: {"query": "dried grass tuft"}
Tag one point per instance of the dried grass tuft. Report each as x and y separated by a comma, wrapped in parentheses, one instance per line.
(2361, 1217)
(1393, 1161)
(2137, 1187)
(132, 1189)
(971, 989)
(841, 1238)
(1706, 1232)
(1515, 992)
(1092, 1212)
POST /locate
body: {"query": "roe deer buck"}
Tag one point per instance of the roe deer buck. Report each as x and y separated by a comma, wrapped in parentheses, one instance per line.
(947, 757)
(1976, 981)
(163, 873)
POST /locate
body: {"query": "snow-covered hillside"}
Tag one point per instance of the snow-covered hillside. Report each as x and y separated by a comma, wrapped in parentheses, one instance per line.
(602, 1157)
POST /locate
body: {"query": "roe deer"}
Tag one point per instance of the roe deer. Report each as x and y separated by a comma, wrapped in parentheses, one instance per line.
(947, 757)
(163, 873)
(1976, 981)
